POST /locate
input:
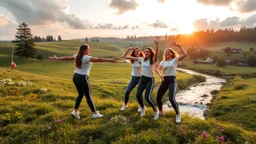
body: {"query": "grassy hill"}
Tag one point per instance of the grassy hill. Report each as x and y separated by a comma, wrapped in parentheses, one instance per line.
(40, 111)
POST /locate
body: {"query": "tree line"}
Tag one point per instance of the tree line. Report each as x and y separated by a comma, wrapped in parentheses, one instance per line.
(48, 38)
(211, 36)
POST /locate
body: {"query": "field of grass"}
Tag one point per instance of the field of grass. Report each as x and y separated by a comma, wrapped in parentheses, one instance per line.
(236, 102)
(40, 113)
(210, 67)
(245, 46)
(68, 47)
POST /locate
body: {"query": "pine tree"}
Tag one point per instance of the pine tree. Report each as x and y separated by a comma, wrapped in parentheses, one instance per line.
(25, 46)
(59, 38)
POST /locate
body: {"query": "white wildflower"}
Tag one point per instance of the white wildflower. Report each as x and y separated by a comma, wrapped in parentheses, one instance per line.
(22, 83)
(43, 89)
(30, 83)
(118, 119)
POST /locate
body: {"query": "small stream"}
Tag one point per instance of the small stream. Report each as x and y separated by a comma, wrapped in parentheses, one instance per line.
(195, 98)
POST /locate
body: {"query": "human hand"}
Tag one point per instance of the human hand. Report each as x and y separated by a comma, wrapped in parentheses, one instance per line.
(175, 44)
(113, 60)
(54, 57)
(162, 77)
(156, 39)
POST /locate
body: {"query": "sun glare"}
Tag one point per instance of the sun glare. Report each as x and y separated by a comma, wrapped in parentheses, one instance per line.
(186, 29)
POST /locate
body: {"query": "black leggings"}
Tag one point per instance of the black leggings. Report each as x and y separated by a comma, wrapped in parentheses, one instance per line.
(134, 81)
(148, 84)
(168, 83)
(83, 88)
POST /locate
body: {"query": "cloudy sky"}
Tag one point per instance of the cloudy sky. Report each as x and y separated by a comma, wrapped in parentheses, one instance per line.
(119, 18)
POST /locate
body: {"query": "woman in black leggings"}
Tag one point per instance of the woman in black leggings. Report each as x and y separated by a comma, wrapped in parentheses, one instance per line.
(147, 79)
(83, 64)
(136, 74)
(169, 65)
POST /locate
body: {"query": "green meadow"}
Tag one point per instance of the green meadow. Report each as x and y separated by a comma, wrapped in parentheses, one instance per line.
(38, 96)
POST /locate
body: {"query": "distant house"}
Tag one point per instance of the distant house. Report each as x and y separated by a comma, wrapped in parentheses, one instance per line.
(232, 50)
(236, 50)
(242, 62)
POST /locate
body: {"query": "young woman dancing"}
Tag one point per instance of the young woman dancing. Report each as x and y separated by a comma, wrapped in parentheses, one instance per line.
(83, 64)
(147, 79)
(169, 65)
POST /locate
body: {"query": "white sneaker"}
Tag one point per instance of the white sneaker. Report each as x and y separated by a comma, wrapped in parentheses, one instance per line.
(178, 118)
(75, 114)
(97, 115)
(143, 111)
(139, 109)
(156, 115)
(124, 107)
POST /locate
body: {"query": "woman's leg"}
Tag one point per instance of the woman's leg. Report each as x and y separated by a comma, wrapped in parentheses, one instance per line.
(149, 89)
(141, 87)
(134, 81)
(160, 93)
(172, 95)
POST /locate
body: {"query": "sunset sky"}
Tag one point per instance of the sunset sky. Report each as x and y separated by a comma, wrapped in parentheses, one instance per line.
(119, 18)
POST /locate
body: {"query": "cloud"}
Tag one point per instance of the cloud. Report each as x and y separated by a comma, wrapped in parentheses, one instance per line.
(249, 22)
(161, 1)
(230, 21)
(123, 5)
(109, 26)
(201, 24)
(7, 32)
(175, 29)
(41, 12)
(215, 2)
(247, 5)
(3, 20)
(159, 24)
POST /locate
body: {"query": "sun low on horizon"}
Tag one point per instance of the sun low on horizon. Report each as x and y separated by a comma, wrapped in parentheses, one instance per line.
(119, 18)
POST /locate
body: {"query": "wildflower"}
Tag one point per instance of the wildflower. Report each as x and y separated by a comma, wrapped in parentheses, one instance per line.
(30, 83)
(22, 83)
(43, 89)
(221, 139)
(204, 135)
(118, 119)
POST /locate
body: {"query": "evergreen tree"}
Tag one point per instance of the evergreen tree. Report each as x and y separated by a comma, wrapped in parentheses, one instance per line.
(86, 39)
(59, 38)
(24, 42)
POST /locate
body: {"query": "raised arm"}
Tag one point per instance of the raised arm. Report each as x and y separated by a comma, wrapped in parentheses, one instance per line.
(54, 57)
(112, 60)
(129, 57)
(184, 53)
(156, 40)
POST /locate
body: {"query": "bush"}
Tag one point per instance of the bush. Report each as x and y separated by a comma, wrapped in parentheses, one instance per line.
(221, 63)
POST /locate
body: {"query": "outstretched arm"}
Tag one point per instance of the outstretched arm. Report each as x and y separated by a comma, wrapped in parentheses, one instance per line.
(156, 40)
(184, 53)
(54, 57)
(112, 60)
(129, 57)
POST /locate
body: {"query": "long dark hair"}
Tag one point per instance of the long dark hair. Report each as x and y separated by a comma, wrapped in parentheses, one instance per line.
(133, 55)
(152, 54)
(80, 54)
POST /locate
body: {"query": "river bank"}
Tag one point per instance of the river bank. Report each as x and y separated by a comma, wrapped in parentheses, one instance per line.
(195, 99)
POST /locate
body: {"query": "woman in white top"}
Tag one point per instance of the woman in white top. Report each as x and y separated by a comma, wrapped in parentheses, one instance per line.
(169, 65)
(83, 64)
(136, 74)
(147, 79)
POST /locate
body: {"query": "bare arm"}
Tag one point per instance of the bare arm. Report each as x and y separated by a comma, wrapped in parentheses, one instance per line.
(129, 57)
(61, 58)
(184, 53)
(103, 60)
(157, 70)
(156, 40)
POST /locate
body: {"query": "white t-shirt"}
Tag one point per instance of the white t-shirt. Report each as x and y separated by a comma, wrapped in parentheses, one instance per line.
(147, 69)
(136, 69)
(85, 66)
(169, 67)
